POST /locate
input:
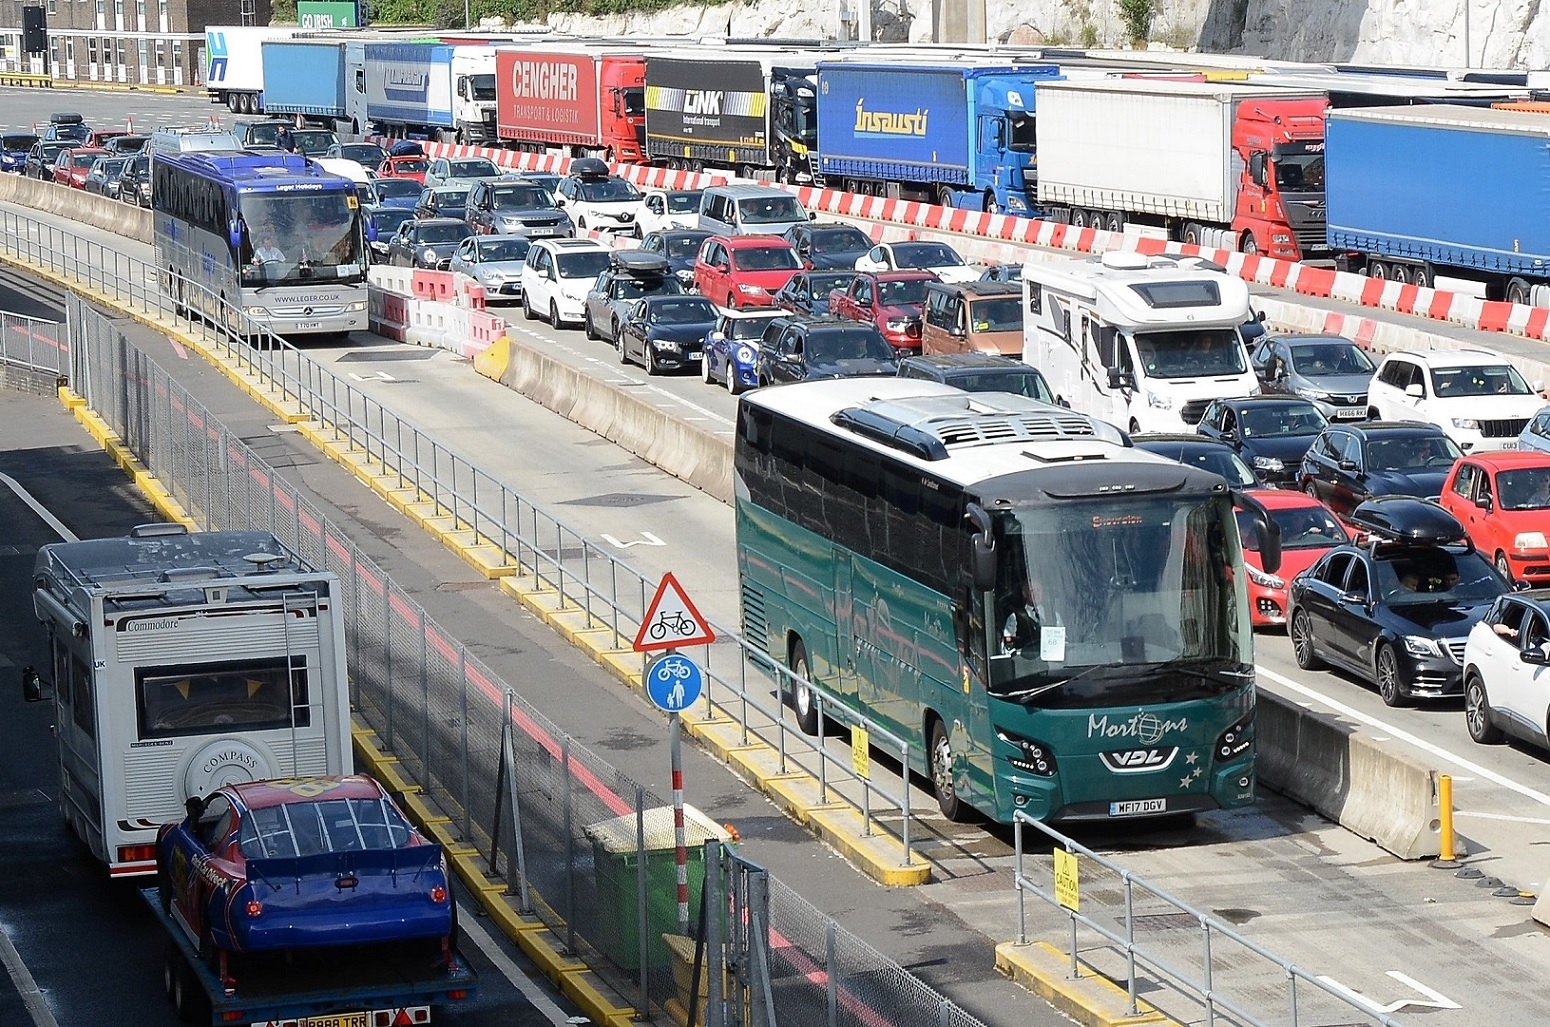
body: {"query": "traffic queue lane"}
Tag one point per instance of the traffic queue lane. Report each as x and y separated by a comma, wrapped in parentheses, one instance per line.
(63, 916)
(1273, 863)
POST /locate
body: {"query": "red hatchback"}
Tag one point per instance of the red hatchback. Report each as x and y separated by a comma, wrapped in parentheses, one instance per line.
(891, 301)
(1308, 531)
(412, 168)
(744, 270)
(71, 166)
(1503, 501)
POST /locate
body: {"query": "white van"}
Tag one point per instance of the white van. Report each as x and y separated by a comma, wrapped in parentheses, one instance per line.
(1139, 341)
(750, 210)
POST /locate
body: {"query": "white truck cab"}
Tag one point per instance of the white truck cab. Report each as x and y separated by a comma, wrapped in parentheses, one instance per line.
(1139, 341)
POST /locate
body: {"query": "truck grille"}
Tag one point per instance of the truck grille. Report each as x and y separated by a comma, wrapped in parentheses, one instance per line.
(1194, 410)
(1504, 429)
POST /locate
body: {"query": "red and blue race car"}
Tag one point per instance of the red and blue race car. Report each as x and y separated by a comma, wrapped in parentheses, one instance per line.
(301, 863)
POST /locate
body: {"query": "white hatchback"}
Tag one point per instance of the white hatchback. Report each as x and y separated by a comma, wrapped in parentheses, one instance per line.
(662, 210)
(1475, 396)
(1507, 672)
(557, 275)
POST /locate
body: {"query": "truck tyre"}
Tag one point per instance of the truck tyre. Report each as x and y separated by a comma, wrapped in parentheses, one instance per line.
(1248, 245)
(988, 204)
(1378, 269)
(1402, 274)
(1194, 235)
(941, 757)
(1079, 217)
(1518, 291)
(944, 195)
(1422, 277)
(1114, 222)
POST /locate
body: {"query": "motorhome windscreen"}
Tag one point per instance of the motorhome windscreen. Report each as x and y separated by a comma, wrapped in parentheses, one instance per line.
(1168, 295)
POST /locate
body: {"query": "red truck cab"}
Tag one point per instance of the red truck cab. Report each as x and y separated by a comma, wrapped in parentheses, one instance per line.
(1280, 146)
(891, 301)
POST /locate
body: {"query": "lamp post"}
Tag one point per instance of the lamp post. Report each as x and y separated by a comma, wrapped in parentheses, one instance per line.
(1466, 33)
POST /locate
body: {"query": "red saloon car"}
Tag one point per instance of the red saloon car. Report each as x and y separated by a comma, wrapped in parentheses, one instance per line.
(1308, 531)
(891, 301)
(744, 270)
(413, 168)
(1503, 500)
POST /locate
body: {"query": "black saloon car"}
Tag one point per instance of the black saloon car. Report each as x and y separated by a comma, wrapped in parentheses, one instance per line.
(828, 245)
(979, 372)
(427, 242)
(666, 333)
(804, 349)
(40, 159)
(1271, 433)
(1330, 371)
(1199, 451)
(808, 291)
(1351, 463)
(1397, 610)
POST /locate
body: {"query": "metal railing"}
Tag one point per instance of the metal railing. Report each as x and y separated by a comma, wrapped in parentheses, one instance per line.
(573, 840)
(1200, 958)
(554, 555)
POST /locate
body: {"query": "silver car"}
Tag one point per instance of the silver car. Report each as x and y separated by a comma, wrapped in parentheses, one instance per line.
(459, 170)
(495, 262)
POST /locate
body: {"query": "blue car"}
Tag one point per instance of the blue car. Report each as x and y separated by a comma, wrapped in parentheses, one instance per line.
(732, 348)
(303, 863)
(1536, 434)
(14, 147)
(397, 192)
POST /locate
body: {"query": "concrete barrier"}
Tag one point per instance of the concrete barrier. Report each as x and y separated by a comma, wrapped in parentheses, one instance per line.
(1348, 777)
(114, 216)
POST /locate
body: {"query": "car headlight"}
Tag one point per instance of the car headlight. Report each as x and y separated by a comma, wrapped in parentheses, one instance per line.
(684, 275)
(1267, 463)
(494, 277)
(1417, 645)
(1465, 422)
(1028, 754)
(751, 290)
(254, 311)
(745, 354)
(1235, 740)
(1313, 395)
(897, 324)
(1526, 540)
(1262, 579)
(1158, 401)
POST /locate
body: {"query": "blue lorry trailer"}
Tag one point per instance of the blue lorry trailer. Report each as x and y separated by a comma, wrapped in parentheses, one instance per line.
(959, 135)
(304, 78)
(1462, 192)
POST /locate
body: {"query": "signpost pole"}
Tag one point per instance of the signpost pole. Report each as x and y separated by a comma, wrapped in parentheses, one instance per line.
(680, 848)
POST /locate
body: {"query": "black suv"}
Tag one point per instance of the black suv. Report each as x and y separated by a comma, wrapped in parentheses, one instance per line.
(1397, 609)
(1271, 433)
(804, 349)
(1351, 463)
(979, 372)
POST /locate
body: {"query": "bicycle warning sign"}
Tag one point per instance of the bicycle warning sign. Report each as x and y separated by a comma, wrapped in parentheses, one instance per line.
(671, 620)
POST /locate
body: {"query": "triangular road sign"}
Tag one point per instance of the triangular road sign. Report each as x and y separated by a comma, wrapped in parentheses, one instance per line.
(671, 620)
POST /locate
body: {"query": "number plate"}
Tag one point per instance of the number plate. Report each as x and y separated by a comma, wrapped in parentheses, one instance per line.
(339, 1020)
(1351, 413)
(1136, 807)
(307, 326)
(1507, 443)
(540, 233)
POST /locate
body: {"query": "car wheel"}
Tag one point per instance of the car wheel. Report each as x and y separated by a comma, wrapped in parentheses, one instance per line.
(624, 354)
(614, 325)
(1504, 568)
(586, 325)
(801, 691)
(705, 375)
(732, 300)
(527, 308)
(652, 368)
(1390, 688)
(1477, 712)
(554, 313)
(1302, 642)
(1310, 489)
(733, 385)
(952, 807)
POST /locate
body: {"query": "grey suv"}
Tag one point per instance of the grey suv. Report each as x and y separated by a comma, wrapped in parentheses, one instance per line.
(508, 206)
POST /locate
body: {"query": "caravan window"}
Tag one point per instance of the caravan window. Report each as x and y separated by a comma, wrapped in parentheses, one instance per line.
(215, 698)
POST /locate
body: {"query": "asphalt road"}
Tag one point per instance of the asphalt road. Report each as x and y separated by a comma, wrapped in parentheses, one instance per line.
(28, 109)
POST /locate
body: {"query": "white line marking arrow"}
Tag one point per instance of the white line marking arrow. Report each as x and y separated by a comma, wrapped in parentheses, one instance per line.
(646, 539)
(1437, 999)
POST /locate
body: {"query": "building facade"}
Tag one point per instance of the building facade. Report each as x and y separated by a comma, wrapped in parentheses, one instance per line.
(139, 42)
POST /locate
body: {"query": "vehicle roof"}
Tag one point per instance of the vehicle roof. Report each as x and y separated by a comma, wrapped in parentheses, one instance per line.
(440, 221)
(743, 242)
(572, 245)
(911, 275)
(968, 362)
(1172, 438)
(765, 314)
(1293, 339)
(1451, 357)
(673, 297)
(1266, 400)
(667, 233)
(745, 189)
(264, 794)
(1510, 459)
(88, 149)
(975, 290)
(1387, 427)
(1283, 499)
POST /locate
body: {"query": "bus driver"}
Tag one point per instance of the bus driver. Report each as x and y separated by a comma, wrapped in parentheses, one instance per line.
(1021, 628)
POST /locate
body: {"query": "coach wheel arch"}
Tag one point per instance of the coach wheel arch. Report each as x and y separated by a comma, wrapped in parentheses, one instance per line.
(801, 668)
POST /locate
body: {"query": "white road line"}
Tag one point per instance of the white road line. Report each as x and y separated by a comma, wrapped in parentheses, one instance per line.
(495, 954)
(38, 508)
(1499, 816)
(1405, 736)
(32, 996)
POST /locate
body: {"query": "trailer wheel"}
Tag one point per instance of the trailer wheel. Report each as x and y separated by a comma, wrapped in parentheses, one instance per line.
(1078, 217)
(1518, 291)
(1378, 269)
(1422, 277)
(944, 196)
(1114, 222)
(1402, 274)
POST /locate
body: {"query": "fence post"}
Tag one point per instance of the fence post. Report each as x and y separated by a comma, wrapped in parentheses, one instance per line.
(831, 978)
(715, 952)
(462, 677)
(570, 851)
(643, 929)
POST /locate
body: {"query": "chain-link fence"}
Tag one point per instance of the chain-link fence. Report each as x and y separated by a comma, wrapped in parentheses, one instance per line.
(599, 867)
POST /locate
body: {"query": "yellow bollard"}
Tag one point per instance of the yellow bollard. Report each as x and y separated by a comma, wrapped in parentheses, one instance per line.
(1445, 808)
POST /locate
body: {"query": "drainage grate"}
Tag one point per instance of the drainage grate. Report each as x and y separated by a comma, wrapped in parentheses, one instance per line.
(617, 499)
(1164, 922)
(374, 355)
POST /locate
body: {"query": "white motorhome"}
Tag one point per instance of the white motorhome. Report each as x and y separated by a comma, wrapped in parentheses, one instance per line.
(1141, 342)
(181, 662)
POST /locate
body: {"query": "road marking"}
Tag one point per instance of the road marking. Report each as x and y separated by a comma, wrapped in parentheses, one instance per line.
(375, 376)
(1405, 736)
(178, 349)
(32, 996)
(495, 954)
(1499, 816)
(1437, 999)
(38, 508)
(646, 539)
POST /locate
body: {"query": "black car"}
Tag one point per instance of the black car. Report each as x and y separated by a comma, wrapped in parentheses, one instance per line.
(828, 245)
(442, 201)
(979, 372)
(134, 182)
(1330, 371)
(1351, 463)
(427, 242)
(808, 291)
(1395, 611)
(40, 159)
(680, 247)
(666, 333)
(804, 349)
(1200, 451)
(1271, 433)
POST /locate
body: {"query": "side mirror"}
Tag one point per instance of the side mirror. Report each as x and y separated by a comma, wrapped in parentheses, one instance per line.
(34, 688)
(1121, 380)
(1538, 386)
(1485, 503)
(1229, 436)
(1257, 167)
(718, 337)
(371, 230)
(1534, 656)
(1347, 465)
(1414, 391)
(812, 215)
(982, 549)
(865, 302)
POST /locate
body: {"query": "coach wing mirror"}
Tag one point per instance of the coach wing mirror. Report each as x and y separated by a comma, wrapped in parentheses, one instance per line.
(34, 688)
(1268, 531)
(982, 550)
(236, 232)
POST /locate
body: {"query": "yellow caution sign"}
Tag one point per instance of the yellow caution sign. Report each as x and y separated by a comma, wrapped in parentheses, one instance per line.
(861, 752)
(1067, 885)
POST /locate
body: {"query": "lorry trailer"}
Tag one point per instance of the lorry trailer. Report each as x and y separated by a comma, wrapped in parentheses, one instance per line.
(437, 90)
(589, 102)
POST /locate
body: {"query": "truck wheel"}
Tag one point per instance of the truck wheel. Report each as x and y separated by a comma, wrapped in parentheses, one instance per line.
(1402, 274)
(988, 203)
(1378, 269)
(1079, 217)
(944, 195)
(1422, 278)
(1193, 233)
(1114, 222)
(1518, 291)
(1248, 245)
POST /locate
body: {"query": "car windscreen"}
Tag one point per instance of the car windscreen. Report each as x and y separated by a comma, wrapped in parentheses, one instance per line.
(819, 286)
(476, 167)
(438, 233)
(603, 190)
(521, 197)
(1330, 358)
(765, 258)
(368, 154)
(1409, 454)
(770, 210)
(681, 247)
(1001, 314)
(1436, 575)
(109, 168)
(311, 141)
(746, 329)
(1524, 488)
(446, 198)
(635, 288)
(683, 202)
(503, 249)
(387, 221)
(393, 187)
(1485, 380)
(899, 294)
(925, 254)
(1191, 353)
(587, 264)
(1278, 419)
(1302, 527)
(840, 240)
(1216, 458)
(84, 160)
(683, 312)
(14, 142)
(414, 166)
(835, 344)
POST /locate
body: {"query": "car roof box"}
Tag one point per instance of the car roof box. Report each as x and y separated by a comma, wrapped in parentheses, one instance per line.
(406, 148)
(66, 118)
(589, 167)
(1409, 520)
(640, 263)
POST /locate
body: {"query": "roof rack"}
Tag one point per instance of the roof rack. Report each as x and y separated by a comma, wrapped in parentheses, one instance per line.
(930, 427)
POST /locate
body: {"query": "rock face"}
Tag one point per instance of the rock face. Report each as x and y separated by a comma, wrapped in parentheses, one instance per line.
(1502, 33)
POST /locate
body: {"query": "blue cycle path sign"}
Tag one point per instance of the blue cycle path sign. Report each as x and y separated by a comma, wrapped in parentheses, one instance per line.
(674, 683)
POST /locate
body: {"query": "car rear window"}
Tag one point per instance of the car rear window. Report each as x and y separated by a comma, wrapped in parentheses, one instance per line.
(313, 828)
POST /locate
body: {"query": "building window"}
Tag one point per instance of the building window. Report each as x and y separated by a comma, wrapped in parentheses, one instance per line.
(177, 62)
(145, 62)
(102, 14)
(161, 7)
(53, 6)
(121, 60)
(91, 54)
(118, 14)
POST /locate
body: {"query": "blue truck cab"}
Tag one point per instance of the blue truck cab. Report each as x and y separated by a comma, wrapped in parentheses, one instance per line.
(959, 135)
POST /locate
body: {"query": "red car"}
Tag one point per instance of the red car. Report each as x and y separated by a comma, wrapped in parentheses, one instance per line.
(1503, 501)
(891, 301)
(744, 270)
(71, 166)
(1308, 531)
(405, 167)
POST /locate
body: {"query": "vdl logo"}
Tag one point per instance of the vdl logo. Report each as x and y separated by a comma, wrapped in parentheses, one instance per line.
(215, 45)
